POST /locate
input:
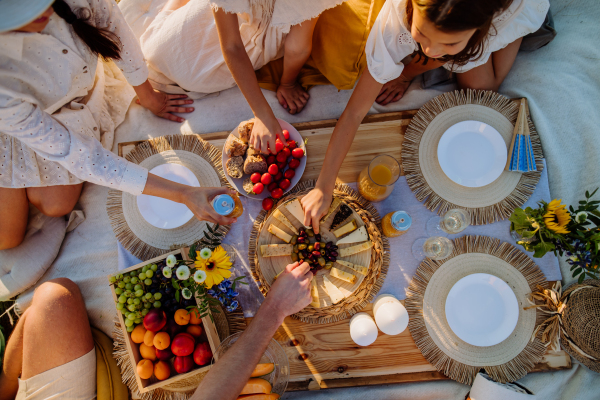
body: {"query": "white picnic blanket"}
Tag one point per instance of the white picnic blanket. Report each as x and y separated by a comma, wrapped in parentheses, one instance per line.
(562, 84)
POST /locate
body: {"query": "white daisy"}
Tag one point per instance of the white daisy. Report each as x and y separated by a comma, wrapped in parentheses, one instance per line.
(199, 276)
(167, 272)
(581, 216)
(171, 261)
(183, 272)
(205, 253)
(186, 293)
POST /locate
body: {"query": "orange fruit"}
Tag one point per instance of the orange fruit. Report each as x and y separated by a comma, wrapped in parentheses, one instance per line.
(182, 317)
(161, 340)
(194, 330)
(195, 317)
(137, 335)
(144, 369)
(148, 352)
(162, 370)
(149, 338)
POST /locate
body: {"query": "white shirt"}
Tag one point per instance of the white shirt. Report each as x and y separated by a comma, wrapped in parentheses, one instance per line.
(390, 40)
(41, 72)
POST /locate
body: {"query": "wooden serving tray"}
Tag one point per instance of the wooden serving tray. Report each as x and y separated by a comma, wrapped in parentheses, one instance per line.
(323, 355)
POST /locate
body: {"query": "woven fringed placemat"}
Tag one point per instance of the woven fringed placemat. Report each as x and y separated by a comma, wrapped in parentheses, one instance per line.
(138, 236)
(430, 184)
(380, 257)
(426, 297)
(227, 323)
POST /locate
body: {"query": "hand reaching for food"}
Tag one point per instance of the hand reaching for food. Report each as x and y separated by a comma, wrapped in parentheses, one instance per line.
(315, 205)
(264, 134)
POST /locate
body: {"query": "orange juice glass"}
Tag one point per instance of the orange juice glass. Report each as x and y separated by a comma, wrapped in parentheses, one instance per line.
(376, 181)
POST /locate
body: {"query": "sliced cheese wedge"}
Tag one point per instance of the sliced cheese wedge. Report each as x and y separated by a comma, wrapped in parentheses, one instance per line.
(314, 292)
(276, 250)
(359, 235)
(358, 268)
(357, 248)
(332, 290)
(349, 227)
(284, 220)
(295, 208)
(345, 276)
(332, 208)
(279, 233)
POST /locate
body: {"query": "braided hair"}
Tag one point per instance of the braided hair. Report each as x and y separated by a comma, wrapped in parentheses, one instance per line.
(100, 41)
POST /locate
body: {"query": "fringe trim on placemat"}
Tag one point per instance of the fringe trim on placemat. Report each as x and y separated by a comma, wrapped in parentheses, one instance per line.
(114, 207)
(380, 257)
(511, 371)
(412, 168)
(181, 390)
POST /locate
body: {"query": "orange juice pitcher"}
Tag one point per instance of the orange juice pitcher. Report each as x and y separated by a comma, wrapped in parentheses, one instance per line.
(376, 181)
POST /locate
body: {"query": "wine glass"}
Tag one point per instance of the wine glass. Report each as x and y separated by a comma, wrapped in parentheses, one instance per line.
(435, 247)
(454, 221)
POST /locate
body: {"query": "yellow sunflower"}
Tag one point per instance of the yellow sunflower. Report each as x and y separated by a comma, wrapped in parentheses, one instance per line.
(217, 266)
(557, 217)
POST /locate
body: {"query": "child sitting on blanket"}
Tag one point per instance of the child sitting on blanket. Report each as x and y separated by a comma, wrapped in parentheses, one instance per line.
(206, 46)
(478, 39)
(66, 67)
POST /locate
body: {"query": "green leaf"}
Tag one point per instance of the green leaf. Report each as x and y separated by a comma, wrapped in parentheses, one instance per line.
(177, 296)
(581, 278)
(542, 248)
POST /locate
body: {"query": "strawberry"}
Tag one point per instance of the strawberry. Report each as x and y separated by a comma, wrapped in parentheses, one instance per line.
(266, 178)
(292, 144)
(271, 160)
(289, 174)
(298, 152)
(278, 146)
(286, 134)
(273, 169)
(281, 156)
(285, 184)
(277, 193)
(278, 177)
(258, 188)
(267, 203)
(281, 165)
(294, 163)
(272, 186)
(255, 177)
(287, 152)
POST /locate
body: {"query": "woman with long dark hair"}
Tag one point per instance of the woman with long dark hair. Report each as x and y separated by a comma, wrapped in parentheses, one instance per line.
(69, 70)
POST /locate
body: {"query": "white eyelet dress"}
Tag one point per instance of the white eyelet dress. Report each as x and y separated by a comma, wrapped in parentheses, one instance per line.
(390, 40)
(60, 104)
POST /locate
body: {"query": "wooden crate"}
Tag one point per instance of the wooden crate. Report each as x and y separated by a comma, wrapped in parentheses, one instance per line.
(147, 385)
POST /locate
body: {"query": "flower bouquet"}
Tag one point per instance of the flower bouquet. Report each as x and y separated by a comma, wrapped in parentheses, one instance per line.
(574, 233)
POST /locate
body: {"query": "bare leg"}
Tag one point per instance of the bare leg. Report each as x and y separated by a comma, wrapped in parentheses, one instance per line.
(298, 46)
(53, 331)
(490, 75)
(55, 201)
(13, 217)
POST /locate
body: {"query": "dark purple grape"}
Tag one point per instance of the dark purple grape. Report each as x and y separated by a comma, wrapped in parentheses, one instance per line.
(300, 239)
(318, 237)
(332, 259)
(334, 247)
(328, 245)
(333, 254)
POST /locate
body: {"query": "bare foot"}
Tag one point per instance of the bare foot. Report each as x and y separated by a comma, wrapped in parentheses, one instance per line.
(292, 97)
(393, 91)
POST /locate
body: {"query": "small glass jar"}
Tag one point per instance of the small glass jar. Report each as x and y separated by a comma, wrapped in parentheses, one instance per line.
(376, 181)
(396, 224)
(229, 206)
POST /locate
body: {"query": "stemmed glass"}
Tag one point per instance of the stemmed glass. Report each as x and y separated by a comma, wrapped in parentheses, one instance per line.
(435, 247)
(454, 221)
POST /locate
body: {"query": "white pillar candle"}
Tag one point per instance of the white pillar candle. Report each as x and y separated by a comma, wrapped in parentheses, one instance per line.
(390, 315)
(363, 329)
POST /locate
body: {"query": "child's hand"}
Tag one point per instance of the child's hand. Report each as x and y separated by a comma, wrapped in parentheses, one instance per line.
(292, 97)
(263, 135)
(393, 90)
(315, 204)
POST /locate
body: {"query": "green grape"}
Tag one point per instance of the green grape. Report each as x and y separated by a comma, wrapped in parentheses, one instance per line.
(130, 328)
(134, 280)
(148, 296)
(148, 305)
(148, 281)
(130, 301)
(149, 274)
(122, 299)
(144, 311)
(157, 296)
(120, 306)
(124, 311)
(131, 316)
(118, 291)
(136, 301)
(131, 308)
(138, 314)
(137, 287)
(142, 276)
(121, 284)
(112, 279)
(153, 267)
(137, 321)
(145, 268)
(133, 273)
(157, 304)
(129, 323)
(120, 276)
(129, 286)
(139, 293)
(127, 279)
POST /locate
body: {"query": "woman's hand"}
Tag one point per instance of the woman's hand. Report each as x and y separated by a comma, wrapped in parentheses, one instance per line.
(393, 90)
(290, 292)
(316, 204)
(264, 134)
(199, 201)
(162, 104)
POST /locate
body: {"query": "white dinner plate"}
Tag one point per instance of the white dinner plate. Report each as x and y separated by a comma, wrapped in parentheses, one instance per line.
(472, 153)
(238, 183)
(482, 309)
(163, 213)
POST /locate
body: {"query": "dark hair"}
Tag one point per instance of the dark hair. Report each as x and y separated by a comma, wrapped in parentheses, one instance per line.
(100, 41)
(460, 15)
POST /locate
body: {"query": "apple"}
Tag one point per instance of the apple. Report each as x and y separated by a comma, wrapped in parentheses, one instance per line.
(155, 320)
(202, 353)
(164, 355)
(183, 345)
(183, 364)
